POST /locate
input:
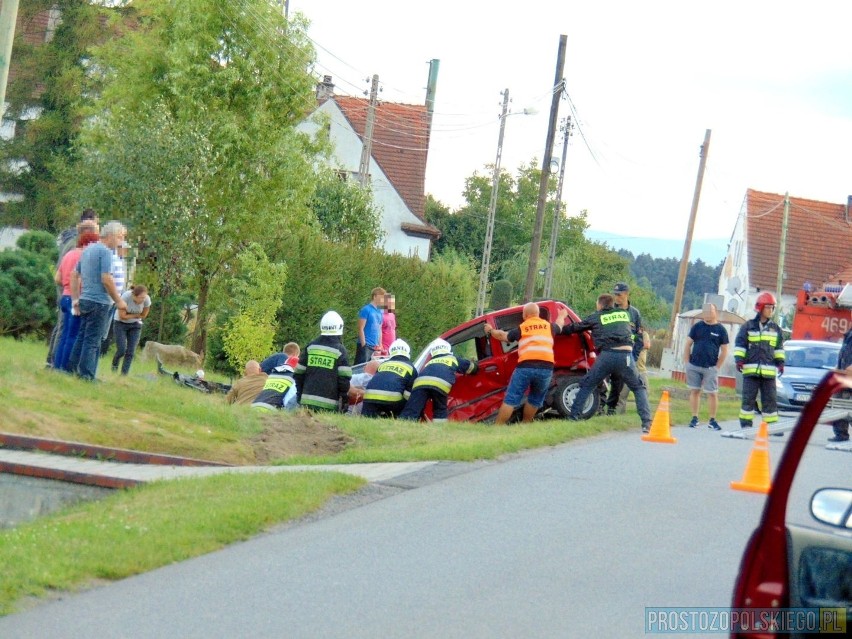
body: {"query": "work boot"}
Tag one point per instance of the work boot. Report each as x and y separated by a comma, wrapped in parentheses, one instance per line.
(610, 412)
(745, 423)
(713, 424)
(839, 438)
(646, 427)
(694, 422)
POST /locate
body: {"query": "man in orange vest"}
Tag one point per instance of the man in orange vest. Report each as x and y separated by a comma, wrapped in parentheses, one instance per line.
(535, 361)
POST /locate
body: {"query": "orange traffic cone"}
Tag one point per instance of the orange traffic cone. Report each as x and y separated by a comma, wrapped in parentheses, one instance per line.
(756, 475)
(660, 428)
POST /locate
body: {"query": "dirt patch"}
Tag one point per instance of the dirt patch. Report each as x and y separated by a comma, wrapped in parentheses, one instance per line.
(297, 433)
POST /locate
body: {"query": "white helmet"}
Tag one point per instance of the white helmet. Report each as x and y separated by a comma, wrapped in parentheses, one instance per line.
(440, 347)
(399, 347)
(331, 324)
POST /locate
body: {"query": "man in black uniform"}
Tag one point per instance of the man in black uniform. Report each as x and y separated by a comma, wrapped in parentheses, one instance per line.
(323, 372)
(844, 362)
(613, 337)
(391, 386)
(615, 402)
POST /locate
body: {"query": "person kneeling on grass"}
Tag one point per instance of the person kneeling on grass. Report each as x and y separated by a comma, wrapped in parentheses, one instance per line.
(391, 386)
(436, 381)
(279, 382)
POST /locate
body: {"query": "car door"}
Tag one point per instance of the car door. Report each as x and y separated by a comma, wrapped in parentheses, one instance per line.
(478, 397)
(797, 565)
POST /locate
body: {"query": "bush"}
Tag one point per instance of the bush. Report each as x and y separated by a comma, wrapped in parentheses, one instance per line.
(40, 242)
(501, 295)
(27, 292)
(431, 296)
(169, 313)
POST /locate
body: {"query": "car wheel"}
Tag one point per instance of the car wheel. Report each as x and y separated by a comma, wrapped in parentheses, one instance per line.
(566, 390)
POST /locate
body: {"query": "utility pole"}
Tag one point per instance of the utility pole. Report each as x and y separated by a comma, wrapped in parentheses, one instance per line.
(535, 247)
(684, 260)
(367, 148)
(782, 252)
(492, 211)
(8, 18)
(557, 212)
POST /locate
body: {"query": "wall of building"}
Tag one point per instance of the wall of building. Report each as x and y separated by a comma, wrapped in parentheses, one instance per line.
(347, 157)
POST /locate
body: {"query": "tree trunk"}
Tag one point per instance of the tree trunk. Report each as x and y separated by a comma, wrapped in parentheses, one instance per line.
(199, 333)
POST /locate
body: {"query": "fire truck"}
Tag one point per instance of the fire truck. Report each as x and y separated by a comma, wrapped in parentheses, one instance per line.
(824, 314)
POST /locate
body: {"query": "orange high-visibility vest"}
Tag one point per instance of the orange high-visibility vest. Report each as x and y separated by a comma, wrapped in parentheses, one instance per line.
(536, 341)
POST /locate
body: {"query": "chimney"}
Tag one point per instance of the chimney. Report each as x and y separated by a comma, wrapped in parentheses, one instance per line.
(325, 89)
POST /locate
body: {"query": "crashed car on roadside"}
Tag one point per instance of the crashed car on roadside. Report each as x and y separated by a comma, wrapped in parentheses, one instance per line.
(478, 397)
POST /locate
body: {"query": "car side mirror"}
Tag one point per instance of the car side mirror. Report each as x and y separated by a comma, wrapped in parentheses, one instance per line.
(833, 506)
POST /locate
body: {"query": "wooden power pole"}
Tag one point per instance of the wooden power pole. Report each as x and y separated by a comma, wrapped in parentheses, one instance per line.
(684, 260)
(367, 148)
(535, 247)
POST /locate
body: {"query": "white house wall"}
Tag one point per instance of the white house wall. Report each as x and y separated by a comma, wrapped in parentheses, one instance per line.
(347, 157)
(734, 285)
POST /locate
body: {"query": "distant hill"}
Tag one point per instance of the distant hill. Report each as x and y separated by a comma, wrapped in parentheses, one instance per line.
(711, 252)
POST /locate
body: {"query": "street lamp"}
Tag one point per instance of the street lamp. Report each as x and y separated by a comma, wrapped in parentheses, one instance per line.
(492, 205)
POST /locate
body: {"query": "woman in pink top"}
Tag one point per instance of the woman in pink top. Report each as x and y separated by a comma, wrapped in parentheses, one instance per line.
(388, 323)
(70, 322)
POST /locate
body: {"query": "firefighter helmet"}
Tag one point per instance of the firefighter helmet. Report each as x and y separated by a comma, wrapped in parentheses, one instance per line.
(399, 347)
(440, 347)
(331, 324)
(764, 299)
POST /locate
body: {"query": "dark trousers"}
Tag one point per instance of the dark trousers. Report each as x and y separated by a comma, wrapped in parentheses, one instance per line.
(126, 339)
(70, 327)
(841, 426)
(752, 385)
(382, 409)
(619, 364)
(363, 353)
(416, 404)
(84, 354)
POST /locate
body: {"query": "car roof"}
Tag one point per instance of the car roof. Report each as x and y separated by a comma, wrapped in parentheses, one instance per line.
(804, 343)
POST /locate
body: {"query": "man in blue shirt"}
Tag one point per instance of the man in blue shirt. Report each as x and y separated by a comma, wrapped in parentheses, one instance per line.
(93, 292)
(370, 326)
(706, 350)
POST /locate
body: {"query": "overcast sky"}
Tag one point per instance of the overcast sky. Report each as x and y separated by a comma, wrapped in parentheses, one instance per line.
(772, 80)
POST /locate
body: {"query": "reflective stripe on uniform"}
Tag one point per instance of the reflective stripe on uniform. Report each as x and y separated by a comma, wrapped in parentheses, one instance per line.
(384, 396)
(319, 401)
(429, 381)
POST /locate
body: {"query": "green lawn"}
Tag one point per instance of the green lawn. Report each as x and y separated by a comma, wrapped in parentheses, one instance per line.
(136, 530)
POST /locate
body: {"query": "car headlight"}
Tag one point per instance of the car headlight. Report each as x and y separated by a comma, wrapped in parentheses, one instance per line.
(779, 385)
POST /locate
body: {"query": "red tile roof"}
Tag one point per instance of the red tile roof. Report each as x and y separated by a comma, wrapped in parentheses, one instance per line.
(400, 144)
(818, 246)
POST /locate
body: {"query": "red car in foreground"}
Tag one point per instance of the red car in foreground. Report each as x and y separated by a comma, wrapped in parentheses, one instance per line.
(797, 565)
(478, 397)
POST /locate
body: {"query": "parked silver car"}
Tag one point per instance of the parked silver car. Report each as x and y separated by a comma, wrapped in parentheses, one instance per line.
(806, 362)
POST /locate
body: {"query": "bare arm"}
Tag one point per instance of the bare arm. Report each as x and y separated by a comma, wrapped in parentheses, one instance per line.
(361, 337)
(687, 350)
(723, 354)
(112, 291)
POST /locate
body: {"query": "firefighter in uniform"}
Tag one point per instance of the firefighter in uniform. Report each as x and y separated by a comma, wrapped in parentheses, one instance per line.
(390, 387)
(844, 363)
(323, 373)
(535, 361)
(435, 382)
(278, 384)
(759, 354)
(613, 336)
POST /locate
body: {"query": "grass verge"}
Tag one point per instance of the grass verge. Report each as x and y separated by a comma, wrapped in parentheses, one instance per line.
(137, 530)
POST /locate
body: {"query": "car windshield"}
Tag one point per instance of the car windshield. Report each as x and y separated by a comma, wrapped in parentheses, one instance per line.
(811, 356)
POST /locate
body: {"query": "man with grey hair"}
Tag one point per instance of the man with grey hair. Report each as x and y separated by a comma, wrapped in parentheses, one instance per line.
(94, 302)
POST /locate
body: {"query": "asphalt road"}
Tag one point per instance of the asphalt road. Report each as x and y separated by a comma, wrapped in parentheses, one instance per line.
(573, 541)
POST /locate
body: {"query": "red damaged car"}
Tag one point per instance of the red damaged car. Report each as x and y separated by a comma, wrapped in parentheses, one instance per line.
(478, 397)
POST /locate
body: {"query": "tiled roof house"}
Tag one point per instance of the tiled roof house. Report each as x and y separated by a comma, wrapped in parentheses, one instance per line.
(818, 249)
(397, 170)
